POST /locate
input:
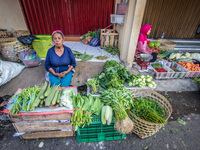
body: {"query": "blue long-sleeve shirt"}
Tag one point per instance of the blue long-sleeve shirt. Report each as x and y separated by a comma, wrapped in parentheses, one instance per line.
(59, 64)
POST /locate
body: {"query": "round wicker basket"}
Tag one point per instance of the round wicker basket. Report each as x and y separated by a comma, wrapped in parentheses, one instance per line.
(166, 44)
(141, 127)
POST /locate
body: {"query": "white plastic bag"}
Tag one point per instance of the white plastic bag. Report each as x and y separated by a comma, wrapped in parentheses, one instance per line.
(9, 70)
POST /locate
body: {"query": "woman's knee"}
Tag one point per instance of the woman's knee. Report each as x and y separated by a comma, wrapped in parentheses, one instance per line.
(53, 80)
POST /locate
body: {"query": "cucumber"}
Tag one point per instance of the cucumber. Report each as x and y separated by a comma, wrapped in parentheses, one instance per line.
(55, 97)
(47, 91)
(37, 100)
(50, 97)
(59, 95)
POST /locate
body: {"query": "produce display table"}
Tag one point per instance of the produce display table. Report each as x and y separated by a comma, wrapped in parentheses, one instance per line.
(42, 126)
(45, 122)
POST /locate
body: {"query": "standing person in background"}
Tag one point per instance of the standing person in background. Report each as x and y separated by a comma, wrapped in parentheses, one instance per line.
(142, 42)
(59, 61)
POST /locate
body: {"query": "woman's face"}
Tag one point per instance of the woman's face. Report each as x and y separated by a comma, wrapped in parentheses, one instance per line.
(58, 39)
(148, 33)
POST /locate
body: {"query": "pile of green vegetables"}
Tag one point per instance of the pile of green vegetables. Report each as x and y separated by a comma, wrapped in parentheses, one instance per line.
(32, 97)
(114, 75)
(112, 50)
(84, 108)
(141, 81)
(83, 57)
(120, 100)
(148, 110)
(24, 100)
(154, 44)
(93, 34)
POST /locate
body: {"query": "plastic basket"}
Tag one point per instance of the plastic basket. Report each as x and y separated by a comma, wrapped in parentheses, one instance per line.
(141, 127)
(183, 72)
(42, 45)
(164, 75)
(96, 131)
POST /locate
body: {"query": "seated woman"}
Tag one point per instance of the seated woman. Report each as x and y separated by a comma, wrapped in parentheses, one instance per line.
(59, 61)
(142, 42)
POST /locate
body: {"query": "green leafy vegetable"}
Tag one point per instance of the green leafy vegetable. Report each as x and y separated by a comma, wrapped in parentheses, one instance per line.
(112, 50)
(147, 109)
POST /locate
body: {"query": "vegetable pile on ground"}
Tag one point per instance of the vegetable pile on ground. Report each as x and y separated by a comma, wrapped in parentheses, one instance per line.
(119, 100)
(141, 81)
(189, 66)
(112, 50)
(148, 110)
(102, 57)
(83, 57)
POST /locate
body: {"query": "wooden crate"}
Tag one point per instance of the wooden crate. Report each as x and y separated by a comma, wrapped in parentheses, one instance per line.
(109, 37)
(43, 126)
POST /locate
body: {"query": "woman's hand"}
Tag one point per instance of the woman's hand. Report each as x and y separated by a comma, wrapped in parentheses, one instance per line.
(62, 74)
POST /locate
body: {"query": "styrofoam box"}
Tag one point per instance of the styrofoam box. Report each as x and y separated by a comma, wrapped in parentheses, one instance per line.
(117, 18)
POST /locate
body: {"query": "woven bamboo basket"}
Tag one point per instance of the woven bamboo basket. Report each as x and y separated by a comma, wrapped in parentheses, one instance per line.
(166, 45)
(19, 33)
(10, 50)
(4, 34)
(6, 40)
(141, 127)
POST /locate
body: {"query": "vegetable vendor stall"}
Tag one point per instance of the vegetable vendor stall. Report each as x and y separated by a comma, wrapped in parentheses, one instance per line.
(49, 112)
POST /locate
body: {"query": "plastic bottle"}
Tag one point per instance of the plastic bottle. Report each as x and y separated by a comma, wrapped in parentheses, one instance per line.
(162, 37)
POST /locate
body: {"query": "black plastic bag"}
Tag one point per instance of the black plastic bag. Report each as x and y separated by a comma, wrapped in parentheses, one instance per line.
(27, 40)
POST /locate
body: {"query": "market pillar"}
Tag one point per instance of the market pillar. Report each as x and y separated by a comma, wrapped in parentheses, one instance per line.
(134, 17)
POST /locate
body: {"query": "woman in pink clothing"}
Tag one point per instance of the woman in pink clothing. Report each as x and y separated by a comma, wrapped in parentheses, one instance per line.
(142, 41)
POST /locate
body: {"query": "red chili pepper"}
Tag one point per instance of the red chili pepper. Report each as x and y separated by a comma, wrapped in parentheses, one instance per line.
(160, 70)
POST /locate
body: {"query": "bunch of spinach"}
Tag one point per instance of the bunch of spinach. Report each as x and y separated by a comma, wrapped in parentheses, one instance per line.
(113, 75)
(112, 50)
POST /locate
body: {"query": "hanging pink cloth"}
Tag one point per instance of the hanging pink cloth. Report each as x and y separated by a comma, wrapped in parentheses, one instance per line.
(142, 40)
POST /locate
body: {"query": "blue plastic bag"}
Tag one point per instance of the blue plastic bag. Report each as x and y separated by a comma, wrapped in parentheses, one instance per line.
(95, 42)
